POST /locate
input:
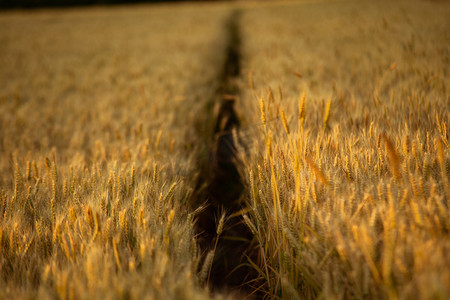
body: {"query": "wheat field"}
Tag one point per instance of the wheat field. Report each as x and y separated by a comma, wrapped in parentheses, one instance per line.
(107, 114)
(99, 149)
(346, 148)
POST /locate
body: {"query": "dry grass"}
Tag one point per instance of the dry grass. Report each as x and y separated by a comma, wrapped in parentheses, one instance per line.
(347, 160)
(98, 149)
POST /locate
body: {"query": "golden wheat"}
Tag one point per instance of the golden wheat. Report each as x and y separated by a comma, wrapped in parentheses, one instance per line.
(96, 164)
(353, 208)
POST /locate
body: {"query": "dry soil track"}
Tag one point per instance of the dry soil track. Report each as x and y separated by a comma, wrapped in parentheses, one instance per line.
(220, 186)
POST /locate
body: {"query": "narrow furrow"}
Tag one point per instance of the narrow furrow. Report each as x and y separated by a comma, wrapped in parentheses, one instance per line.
(220, 187)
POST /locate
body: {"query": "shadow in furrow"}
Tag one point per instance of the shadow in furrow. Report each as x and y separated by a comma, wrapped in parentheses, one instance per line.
(220, 187)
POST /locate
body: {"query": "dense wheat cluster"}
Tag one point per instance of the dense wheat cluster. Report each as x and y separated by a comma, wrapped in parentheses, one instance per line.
(347, 156)
(98, 149)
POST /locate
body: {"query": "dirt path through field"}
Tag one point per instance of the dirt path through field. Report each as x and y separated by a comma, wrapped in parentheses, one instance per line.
(220, 186)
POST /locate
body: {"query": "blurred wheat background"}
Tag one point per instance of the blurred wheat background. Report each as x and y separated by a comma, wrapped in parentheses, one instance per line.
(98, 149)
